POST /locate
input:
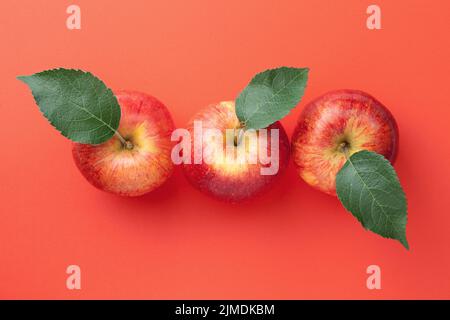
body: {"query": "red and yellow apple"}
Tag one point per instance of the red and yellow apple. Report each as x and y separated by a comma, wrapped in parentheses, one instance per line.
(140, 161)
(229, 178)
(333, 127)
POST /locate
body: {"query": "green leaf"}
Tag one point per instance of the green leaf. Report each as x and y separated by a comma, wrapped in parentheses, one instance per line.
(368, 187)
(270, 96)
(76, 103)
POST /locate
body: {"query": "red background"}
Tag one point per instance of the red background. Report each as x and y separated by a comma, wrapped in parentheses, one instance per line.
(176, 242)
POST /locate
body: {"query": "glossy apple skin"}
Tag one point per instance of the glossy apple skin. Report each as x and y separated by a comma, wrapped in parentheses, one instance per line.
(232, 182)
(343, 116)
(111, 167)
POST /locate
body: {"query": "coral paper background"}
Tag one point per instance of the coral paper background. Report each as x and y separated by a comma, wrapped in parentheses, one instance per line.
(177, 243)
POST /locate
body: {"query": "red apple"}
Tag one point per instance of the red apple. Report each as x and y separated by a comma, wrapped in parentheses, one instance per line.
(339, 122)
(143, 162)
(228, 178)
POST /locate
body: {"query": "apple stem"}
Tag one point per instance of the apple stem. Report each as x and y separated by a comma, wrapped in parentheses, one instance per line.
(127, 144)
(240, 133)
(239, 137)
(343, 147)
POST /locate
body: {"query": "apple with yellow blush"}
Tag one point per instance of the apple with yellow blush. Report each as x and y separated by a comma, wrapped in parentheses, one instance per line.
(333, 127)
(250, 127)
(138, 161)
(229, 178)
